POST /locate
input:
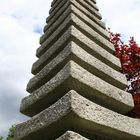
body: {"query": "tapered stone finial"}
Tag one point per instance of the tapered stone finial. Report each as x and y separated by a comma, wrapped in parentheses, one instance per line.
(77, 92)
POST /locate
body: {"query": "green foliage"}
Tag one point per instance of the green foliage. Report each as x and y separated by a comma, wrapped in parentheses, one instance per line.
(10, 134)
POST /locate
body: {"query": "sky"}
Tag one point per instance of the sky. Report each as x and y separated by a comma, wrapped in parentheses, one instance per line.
(21, 25)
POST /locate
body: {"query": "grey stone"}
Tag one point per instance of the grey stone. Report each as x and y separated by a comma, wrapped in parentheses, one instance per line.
(77, 92)
(57, 8)
(54, 6)
(56, 24)
(88, 13)
(73, 52)
(73, 76)
(87, 44)
(52, 51)
(88, 1)
(92, 4)
(57, 15)
(90, 8)
(82, 3)
(88, 31)
(79, 114)
(70, 135)
(87, 20)
(55, 36)
(82, 9)
(55, 1)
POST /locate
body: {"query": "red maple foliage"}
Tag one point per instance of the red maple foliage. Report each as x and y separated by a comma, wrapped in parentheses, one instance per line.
(129, 56)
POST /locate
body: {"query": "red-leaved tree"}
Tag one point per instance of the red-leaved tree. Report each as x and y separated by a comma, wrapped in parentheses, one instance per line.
(129, 56)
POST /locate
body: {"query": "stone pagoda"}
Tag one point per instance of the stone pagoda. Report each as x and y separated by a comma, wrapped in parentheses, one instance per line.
(77, 92)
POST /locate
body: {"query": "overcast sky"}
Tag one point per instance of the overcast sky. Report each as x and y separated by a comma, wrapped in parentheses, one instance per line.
(21, 23)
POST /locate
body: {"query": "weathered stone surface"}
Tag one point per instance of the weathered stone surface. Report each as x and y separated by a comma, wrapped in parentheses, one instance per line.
(55, 24)
(74, 110)
(81, 57)
(73, 34)
(72, 19)
(88, 13)
(82, 9)
(92, 34)
(58, 7)
(87, 1)
(90, 9)
(52, 51)
(92, 4)
(77, 93)
(69, 135)
(73, 76)
(83, 17)
(55, 1)
(82, 3)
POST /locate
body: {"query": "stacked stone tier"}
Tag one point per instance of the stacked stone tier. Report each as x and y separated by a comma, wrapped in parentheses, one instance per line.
(77, 91)
(80, 8)
(73, 34)
(75, 113)
(73, 76)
